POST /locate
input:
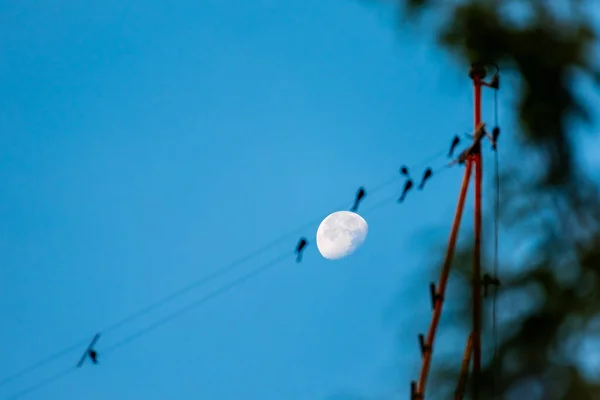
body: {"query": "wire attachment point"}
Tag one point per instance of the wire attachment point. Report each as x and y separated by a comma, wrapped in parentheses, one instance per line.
(474, 148)
(495, 82)
(477, 71)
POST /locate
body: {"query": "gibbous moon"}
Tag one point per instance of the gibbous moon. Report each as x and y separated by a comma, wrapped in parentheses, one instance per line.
(340, 234)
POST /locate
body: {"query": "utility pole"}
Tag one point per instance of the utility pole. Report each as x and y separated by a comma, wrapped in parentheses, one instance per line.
(472, 159)
(477, 74)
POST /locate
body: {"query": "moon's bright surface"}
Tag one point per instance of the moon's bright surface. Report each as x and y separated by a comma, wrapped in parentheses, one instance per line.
(340, 234)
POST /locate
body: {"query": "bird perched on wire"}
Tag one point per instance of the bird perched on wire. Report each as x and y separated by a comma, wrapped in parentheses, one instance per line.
(495, 135)
(428, 173)
(90, 352)
(407, 186)
(359, 196)
(455, 142)
(300, 248)
(93, 355)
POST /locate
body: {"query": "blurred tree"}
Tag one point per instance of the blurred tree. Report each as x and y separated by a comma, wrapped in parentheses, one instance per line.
(549, 301)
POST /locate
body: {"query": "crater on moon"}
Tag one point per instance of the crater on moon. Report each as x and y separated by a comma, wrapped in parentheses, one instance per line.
(341, 234)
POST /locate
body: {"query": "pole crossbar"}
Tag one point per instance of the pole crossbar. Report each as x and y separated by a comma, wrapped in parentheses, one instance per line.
(472, 158)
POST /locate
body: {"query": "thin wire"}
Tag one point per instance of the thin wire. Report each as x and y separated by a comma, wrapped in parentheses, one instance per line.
(43, 362)
(393, 180)
(42, 384)
(496, 235)
(386, 200)
(225, 288)
(222, 271)
(199, 282)
(203, 280)
(430, 159)
(189, 307)
(181, 311)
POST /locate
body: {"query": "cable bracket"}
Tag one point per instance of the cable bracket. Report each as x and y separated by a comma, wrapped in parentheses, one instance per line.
(435, 295)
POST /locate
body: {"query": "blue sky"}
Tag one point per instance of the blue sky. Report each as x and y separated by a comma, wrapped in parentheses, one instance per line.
(145, 145)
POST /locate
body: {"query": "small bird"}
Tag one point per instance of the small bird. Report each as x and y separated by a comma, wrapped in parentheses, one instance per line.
(404, 170)
(495, 134)
(426, 176)
(455, 142)
(407, 186)
(93, 356)
(359, 196)
(299, 249)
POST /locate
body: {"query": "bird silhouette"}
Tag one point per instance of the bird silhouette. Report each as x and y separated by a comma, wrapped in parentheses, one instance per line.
(300, 248)
(426, 176)
(359, 196)
(495, 134)
(90, 352)
(407, 186)
(404, 170)
(93, 356)
(455, 142)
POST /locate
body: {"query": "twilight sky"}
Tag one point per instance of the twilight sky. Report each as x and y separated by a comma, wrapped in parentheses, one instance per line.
(144, 145)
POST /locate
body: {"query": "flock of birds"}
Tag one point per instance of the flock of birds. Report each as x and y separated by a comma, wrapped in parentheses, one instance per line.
(408, 185)
(92, 353)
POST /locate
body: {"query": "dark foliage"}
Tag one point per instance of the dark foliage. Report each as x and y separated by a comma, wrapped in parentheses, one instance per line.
(555, 216)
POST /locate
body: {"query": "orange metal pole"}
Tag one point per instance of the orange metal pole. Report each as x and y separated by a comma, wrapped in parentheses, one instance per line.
(439, 296)
(472, 157)
(477, 160)
(464, 369)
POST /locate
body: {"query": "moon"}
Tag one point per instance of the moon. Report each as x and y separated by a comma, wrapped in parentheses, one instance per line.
(341, 234)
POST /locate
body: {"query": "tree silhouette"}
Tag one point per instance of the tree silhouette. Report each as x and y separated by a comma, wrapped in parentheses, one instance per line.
(550, 205)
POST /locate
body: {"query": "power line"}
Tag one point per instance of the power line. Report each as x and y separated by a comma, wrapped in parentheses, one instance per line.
(495, 365)
(189, 307)
(223, 289)
(203, 280)
(179, 312)
(43, 362)
(472, 157)
(496, 267)
(42, 384)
